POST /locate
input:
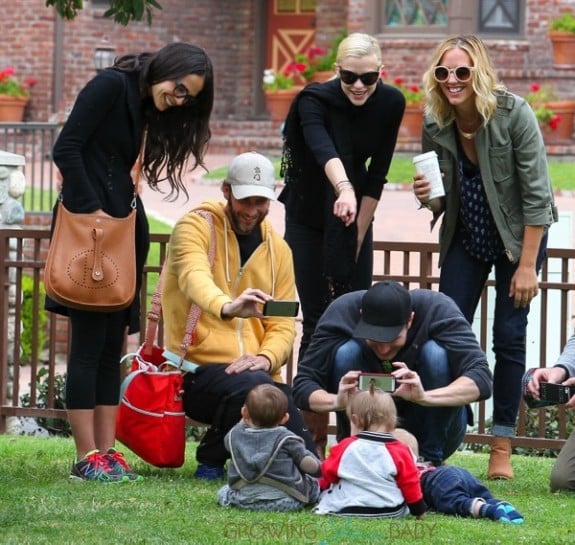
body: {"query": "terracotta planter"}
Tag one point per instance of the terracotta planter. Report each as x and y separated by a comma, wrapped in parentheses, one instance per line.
(322, 76)
(278, 103)
(412, 123)
(12, 108)
(563, 48)
(565, 109)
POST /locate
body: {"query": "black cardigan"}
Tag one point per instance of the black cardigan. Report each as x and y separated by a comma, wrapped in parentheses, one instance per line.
(322, 124)
(95, 152)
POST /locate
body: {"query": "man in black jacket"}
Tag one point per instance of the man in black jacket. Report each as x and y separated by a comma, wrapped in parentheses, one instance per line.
(421, 338)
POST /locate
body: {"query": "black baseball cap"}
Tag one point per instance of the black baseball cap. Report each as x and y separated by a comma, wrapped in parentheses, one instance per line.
(385, 310)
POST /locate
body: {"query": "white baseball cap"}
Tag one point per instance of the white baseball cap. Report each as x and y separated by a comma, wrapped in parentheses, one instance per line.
(252, 175)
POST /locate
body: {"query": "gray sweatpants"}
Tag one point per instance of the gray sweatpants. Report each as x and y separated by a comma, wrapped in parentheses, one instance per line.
(563, 472)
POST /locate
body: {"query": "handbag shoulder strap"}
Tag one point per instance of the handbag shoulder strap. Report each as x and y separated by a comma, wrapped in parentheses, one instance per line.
(136, 171)
(155, 312)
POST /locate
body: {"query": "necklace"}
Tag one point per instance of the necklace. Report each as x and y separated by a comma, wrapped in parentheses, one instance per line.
(467, 135)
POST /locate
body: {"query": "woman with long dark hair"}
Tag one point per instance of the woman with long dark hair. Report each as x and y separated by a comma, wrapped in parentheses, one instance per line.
(152, 109)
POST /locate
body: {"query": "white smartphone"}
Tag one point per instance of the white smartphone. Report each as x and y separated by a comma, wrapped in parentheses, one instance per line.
(381, 381)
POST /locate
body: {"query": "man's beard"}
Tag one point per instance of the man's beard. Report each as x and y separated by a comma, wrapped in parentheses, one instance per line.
(238, 226)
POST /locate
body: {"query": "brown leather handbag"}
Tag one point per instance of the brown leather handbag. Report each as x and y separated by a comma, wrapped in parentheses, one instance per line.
(91, 263)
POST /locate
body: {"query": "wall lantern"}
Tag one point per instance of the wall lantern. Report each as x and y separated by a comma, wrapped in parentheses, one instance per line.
(104, 55)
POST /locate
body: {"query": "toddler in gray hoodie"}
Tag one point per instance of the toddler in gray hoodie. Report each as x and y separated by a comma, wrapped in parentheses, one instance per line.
(270, 468)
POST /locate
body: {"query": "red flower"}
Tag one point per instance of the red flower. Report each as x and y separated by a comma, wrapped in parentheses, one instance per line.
(554, 122)
(535, 87)
(294, 68)
(9, 84)
(398, 81)
(31, 81)
(314, 52)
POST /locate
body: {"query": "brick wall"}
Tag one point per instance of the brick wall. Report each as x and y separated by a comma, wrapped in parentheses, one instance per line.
(226, 29)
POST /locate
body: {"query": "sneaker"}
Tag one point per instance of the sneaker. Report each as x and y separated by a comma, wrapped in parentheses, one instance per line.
(117, 462)
(501, 511)
(210, 473)
(94, 467)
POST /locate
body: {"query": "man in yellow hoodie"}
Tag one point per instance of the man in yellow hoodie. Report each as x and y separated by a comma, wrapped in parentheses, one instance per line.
(234, 346)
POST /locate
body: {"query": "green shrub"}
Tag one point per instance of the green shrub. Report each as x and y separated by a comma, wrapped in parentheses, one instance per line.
(551, 422)
(28, 319)
(566, 23)
(55, 426)
(532, 420)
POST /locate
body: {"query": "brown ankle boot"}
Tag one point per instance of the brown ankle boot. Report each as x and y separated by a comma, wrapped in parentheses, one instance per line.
(500, 459)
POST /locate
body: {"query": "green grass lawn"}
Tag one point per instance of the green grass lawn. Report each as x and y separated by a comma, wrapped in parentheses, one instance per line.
(401, 172)
(39, 506)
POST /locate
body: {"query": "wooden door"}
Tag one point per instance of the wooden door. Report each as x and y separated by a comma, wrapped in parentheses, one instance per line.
(291, 30)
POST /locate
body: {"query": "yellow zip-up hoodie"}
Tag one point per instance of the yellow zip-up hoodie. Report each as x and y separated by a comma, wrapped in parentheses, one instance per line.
(188, 279)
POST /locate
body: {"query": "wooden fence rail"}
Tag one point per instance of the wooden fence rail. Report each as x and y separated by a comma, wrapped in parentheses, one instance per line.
(22, 258)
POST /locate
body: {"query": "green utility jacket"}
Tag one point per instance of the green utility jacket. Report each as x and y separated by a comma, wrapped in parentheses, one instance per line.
(513, 167)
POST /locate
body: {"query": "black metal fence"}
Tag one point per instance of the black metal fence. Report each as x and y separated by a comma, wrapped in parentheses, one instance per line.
(45, 336)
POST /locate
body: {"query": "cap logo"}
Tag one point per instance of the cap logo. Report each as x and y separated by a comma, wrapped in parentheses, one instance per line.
(257, 174)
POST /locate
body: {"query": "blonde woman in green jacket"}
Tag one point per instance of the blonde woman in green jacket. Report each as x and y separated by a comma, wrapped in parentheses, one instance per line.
(497, 208)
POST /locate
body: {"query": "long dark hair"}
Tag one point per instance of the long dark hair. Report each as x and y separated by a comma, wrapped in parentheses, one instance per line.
(174, 134)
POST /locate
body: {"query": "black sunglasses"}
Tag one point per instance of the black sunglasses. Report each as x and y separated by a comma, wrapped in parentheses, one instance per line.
(461, 73)
(181, 92)
(349, 77)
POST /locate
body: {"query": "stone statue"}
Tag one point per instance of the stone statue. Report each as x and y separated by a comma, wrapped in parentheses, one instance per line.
(12, 186)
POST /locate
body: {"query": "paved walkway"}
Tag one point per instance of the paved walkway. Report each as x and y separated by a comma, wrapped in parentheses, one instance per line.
(397, 217)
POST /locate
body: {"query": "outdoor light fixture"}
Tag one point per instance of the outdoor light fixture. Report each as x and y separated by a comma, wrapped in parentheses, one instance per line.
(104, 55)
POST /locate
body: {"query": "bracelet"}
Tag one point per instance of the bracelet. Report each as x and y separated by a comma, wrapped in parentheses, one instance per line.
(343, 183)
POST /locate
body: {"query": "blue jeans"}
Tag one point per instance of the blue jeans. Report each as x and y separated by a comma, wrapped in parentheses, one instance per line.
(452, 490)
(463, 279)
(439, 430)
(307, 246)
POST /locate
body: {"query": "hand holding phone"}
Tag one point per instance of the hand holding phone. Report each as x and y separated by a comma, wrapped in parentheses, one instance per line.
(289, 309)
(381, 381)
(555, 393)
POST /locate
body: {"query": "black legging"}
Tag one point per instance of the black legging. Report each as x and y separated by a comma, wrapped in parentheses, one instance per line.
(213, 397)
(94, 362)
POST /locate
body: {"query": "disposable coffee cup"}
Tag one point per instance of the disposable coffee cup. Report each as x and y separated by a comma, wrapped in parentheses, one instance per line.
(428, 165)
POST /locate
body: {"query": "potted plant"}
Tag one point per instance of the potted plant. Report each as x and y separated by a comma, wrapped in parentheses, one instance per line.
(562, 36)
(555, 116)
(319, 63)
(412, 122)
(280, 88)
(14, 95)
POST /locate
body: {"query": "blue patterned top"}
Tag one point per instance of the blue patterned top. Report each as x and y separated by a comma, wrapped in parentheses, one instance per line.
(481, 238)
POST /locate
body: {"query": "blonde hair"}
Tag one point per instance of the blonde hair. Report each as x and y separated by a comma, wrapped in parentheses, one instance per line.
(373, 408)
(358, 45)
(483, 80)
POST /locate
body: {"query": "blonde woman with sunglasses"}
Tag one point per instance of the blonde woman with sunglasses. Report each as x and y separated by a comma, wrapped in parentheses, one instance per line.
(497, 209)
(332, 131)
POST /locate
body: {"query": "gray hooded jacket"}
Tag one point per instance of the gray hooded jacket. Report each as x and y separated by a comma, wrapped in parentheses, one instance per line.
(271, 456)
